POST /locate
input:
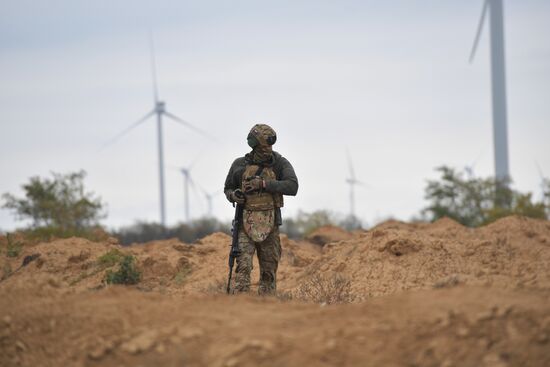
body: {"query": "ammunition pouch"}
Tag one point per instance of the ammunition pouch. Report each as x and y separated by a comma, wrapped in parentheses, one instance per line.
(260, 199)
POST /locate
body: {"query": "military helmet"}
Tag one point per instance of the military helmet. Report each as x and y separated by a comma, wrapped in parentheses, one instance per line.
(261, 134)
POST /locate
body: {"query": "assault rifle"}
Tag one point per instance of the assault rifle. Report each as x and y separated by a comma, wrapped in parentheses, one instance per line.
(234, 252)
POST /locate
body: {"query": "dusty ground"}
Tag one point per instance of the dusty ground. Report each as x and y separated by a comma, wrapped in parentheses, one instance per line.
(420, 295)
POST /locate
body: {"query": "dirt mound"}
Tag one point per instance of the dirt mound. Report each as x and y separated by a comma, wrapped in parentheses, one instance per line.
(326, 234)
(511, 253)
(167, 266)
(436, 294)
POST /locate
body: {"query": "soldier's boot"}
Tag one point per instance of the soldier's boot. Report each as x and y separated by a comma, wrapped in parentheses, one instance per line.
(268, 284)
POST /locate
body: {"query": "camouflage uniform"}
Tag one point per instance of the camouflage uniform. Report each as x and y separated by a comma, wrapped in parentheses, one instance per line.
(269, 254)
(262, 209)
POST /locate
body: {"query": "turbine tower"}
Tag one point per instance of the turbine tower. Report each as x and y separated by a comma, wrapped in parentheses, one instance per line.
(159, 111)
(352, 182)
(498, 83)
(209, 196)
(187, 180)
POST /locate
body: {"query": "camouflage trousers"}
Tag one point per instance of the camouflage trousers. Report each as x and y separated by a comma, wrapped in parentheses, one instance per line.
(269, 253)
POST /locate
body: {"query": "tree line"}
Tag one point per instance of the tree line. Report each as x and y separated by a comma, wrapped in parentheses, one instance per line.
(59, 206)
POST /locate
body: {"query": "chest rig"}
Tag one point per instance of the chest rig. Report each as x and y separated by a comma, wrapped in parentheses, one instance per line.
(261, 200)
(259, 207)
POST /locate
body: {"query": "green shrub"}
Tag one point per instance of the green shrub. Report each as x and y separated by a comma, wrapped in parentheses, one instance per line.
(475, 201)
(186, 232)
(110, 258)
(127, 272)
(14, 247)
(59, 202)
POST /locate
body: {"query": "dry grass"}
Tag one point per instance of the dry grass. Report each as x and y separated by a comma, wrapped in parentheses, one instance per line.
(284, 296)
(448, 282)
(325, 289)
(6, 271)
(217, 287)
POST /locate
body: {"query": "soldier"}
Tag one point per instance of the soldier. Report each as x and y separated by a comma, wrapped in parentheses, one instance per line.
(258, 181)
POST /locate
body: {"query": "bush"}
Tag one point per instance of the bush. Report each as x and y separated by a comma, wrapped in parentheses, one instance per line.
(144, 232)
(110, 258)
(126, 274)
(298, 227)
(325, 289)
(477, 201)
(14, 248)
(198, 228)
(58, 204)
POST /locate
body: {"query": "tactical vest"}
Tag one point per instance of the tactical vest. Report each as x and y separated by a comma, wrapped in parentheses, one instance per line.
(261, 200)
(259, 207)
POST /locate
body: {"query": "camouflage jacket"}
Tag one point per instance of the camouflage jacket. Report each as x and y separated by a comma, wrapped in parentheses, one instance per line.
(285, 184)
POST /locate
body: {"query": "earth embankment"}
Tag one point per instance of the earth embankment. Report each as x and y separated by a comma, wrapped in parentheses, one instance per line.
(414, 294)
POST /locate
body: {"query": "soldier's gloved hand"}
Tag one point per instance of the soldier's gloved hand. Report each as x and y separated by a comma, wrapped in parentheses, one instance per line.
(237, 196)
(254, 184)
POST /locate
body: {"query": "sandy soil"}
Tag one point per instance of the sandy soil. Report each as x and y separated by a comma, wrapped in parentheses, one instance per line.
(421, 295)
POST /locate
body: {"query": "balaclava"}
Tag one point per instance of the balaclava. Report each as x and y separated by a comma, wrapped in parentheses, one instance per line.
(260, 139)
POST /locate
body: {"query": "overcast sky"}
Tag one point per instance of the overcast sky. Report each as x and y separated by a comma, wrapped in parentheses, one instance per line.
(388, 80)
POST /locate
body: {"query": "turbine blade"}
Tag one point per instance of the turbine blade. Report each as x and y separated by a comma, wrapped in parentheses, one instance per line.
(201, 188)
(474, 163)
(127, 130)
(189, 125)
(192, 182)
(194, 187)
(153, 66)
(194, 162)
(363, 184)
(186, 169)
(211, 194)
(479, 29)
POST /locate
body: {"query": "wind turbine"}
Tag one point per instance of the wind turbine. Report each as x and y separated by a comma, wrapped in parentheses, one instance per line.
(352, 182)
(159, 110)
(209, 196)
(469, 169)
(187, 182)
(498, 84)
